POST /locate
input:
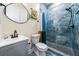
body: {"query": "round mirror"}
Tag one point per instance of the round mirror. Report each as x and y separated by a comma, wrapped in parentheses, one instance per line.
(17, 13)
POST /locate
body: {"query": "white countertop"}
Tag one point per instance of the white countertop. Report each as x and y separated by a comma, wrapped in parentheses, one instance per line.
(8, 41)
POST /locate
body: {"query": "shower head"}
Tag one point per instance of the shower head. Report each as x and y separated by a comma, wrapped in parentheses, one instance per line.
(68, 9)
(2, 4)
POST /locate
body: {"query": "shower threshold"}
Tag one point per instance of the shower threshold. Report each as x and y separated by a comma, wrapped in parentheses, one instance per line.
(60, 50)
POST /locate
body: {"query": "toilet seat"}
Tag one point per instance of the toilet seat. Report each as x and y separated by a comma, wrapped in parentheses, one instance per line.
(41, 46)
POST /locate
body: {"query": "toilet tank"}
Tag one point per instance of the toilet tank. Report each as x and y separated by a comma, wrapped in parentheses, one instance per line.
(35, 38)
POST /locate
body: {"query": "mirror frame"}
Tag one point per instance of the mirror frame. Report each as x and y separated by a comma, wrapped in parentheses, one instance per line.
(28, 16)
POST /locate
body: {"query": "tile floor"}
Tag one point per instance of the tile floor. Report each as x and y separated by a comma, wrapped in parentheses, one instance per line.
(49, 52)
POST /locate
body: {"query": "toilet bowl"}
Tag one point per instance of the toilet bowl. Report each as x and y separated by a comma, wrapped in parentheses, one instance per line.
(39, 47)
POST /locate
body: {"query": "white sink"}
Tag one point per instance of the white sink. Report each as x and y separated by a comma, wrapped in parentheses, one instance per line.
(9, 40)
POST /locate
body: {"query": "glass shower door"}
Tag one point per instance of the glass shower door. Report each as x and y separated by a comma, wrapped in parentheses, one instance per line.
(62, 27)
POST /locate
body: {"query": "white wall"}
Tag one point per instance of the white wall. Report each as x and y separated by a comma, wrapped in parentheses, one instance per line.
(26, 29)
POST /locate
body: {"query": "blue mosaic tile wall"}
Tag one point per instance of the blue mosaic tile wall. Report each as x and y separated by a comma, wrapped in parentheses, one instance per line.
(58, 30)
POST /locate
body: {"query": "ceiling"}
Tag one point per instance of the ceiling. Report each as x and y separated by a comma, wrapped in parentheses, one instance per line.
(47, 4)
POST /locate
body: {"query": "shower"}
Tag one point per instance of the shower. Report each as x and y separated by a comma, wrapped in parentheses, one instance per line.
(62, 26)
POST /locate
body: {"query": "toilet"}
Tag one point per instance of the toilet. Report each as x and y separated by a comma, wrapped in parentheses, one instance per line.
(39, 47)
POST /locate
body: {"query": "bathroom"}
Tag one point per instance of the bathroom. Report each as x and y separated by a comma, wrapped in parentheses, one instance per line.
(20, 23)
(11, 21)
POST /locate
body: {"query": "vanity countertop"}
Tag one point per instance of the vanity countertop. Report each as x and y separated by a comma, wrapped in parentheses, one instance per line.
(9, 41)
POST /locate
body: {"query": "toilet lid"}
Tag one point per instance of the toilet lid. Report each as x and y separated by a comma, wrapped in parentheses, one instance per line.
(41, 46)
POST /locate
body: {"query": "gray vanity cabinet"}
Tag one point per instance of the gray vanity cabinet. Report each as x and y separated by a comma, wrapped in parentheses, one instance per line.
(16, 49)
